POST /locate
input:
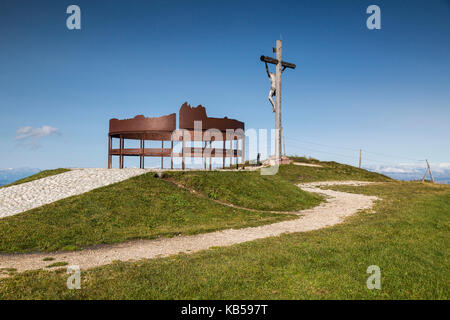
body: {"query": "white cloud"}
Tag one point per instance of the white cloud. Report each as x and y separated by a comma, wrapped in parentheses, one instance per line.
(442, 167)
(30, 136)
(413, 170)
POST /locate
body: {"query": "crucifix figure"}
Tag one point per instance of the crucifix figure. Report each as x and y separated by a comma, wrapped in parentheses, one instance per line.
(275, 90)
(273, 85)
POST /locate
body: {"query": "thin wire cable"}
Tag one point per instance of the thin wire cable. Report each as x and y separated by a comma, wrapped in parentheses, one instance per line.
(321, 151)
(355, 158)
(353, 149)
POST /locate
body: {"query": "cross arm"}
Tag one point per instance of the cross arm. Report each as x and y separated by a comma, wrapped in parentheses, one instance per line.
(275, 61)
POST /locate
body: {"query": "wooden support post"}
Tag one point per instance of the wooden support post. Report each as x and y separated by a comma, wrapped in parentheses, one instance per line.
(280, 66)
(140, 153)
(143, 153)
(360, 157)
(429, 170)
(278, 103)
(231, 154)
(123, 156)
(109, 152)
(243, 152)
(204, 144)
(223, 153)
(237, 153)
(182, 152)
(162, 157)
(425, 175)
(210, 152)
(121, 153)
(171, 154)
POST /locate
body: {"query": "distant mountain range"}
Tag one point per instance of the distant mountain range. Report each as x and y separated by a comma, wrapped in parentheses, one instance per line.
(408, 177)
(12, 174)
(414, 171)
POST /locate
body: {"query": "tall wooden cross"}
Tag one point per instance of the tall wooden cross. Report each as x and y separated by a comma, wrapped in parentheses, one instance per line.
(279, 63)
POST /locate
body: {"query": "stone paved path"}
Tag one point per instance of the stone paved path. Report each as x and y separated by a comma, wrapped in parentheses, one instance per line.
(33, 194)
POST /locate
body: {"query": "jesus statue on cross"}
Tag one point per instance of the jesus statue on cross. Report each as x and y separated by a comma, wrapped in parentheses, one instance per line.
(273, 86)
(275, 90)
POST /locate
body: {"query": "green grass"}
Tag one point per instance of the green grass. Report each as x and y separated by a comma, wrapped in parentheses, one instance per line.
(304, 159)
(142, 207)
(407, 237)
(247, 189)
(48, 259)
(57, 264)
(39, 175)
(328, 172)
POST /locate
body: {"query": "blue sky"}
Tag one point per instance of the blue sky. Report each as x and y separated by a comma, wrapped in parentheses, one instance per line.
(386, 91)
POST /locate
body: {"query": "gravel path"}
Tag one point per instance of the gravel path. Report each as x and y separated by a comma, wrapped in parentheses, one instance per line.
(33, 194)
(307, 164)
(338, 206)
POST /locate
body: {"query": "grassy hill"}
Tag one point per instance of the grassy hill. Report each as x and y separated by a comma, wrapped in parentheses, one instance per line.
(406, 235)
(145, 207)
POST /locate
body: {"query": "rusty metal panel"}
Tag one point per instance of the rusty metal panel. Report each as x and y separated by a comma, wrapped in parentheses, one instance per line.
(141, 124)
(188, 115)
(164, 129)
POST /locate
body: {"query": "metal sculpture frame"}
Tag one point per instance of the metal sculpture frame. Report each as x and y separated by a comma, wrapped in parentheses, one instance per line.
(194, 125)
